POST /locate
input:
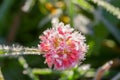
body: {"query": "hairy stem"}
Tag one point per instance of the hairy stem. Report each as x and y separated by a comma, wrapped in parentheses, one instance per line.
(17, 50)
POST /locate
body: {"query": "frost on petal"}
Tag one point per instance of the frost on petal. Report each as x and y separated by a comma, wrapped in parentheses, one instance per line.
(49, 60)
(62, 46)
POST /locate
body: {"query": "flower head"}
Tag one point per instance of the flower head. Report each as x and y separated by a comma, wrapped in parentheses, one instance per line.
(62, 47)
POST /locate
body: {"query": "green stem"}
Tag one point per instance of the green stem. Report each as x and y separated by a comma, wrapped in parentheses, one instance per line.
(17, 51)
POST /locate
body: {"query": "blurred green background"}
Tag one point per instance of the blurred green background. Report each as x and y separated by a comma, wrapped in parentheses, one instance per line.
(22, 21)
